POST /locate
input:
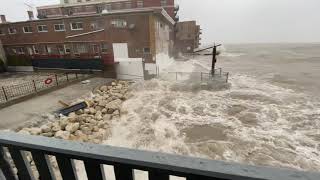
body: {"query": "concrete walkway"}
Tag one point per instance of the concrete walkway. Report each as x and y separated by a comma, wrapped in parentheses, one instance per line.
(34, 109)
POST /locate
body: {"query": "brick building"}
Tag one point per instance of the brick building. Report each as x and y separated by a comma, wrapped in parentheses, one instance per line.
(187, 36)
(144, 32)
(81, 7)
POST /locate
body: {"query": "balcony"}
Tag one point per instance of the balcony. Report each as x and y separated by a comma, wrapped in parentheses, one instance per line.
(159, 166)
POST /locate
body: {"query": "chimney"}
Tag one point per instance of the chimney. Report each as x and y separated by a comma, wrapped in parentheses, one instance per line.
(3, 19)
(30, 14)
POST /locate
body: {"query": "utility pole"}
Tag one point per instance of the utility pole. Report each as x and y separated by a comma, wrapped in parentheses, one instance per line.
(214, 58)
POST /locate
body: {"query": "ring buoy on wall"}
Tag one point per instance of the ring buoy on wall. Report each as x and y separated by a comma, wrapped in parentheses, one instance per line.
(48, 81)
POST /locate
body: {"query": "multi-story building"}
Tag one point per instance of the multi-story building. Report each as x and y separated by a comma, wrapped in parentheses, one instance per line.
(142, 33)
(82, 7)
(187, 36)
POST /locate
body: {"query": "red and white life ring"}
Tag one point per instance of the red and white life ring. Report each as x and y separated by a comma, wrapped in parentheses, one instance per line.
(48, 81)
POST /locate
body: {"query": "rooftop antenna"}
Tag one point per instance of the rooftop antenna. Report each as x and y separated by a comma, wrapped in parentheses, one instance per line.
(30, 5)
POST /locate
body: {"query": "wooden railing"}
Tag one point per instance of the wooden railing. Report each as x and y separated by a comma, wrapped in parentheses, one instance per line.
(159, 166)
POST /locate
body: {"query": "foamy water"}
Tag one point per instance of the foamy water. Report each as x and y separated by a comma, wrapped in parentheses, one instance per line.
(253, 121)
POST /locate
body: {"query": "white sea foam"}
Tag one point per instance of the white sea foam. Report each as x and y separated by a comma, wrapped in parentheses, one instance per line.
(252, 122)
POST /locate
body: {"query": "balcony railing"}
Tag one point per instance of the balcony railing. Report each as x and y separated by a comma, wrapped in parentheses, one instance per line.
(159, 166)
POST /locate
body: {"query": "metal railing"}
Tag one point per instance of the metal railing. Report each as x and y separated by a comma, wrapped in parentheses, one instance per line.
(218, 75)
(15, 147)
(11, 92)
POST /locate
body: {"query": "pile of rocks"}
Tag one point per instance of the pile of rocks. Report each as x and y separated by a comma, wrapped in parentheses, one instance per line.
(90, 124)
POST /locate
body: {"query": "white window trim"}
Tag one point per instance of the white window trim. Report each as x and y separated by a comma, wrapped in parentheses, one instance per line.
(12, 33)
(25, 31)
(76, 29)
(64, 28)
(42, 31)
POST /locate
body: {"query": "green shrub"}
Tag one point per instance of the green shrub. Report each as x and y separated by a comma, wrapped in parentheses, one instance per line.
(19, 61)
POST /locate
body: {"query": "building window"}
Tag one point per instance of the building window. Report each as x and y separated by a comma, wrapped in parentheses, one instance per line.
(108, 7)
(59, 27)
(104, 47)
(119, 23)
(35, 49)
(128, 5)
(79, 1)
(12, 30)
(67, 49)
(20, 50)
(42, 28)
(96, 25)
(76, 26)
(140, 4)
(1, 32)
(146, 50)
(80, 48)
(27, 29)
(118, 6)
(66, 1)
(163, 2)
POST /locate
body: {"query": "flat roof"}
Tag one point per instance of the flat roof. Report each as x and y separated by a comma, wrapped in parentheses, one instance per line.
(115, 12)
(77, 4)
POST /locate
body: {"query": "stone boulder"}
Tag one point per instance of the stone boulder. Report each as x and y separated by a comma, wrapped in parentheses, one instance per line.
(72, 127)
(62, 135)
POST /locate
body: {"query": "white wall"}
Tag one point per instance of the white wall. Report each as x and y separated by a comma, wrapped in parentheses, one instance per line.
(130, 68)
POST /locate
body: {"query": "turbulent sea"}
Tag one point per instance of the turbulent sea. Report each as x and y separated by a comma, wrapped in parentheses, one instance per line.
(268, 115)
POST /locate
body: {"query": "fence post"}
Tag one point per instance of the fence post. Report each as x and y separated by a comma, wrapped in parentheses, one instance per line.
(4, 93)
(67, 77)
(34, 86)
(201, 76)
(56, 76)
(220, 71)
(227, 77)
(76, 75)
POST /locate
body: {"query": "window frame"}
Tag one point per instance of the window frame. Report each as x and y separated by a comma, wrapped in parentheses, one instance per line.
(163, 3)
(54, 27)
(116, 23)
(43, 31)
(26, 31)
(78, 29)
(15, 29)
(140, 4)
(146, 52)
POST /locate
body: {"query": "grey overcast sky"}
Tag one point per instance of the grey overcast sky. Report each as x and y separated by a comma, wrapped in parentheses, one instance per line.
(231, 21)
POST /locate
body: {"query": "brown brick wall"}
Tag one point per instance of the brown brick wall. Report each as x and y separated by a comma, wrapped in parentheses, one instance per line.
(140, 35)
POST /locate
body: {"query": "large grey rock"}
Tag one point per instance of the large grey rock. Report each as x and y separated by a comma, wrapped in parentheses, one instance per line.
(24, 131)
(72, 127)
(35, 131)
(45, 128)
(62, 135)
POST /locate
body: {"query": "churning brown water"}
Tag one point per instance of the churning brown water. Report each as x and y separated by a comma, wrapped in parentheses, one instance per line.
(269, 115)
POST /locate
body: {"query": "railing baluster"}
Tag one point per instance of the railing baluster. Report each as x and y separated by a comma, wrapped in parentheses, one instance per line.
(156, 175)
(123, 172)
(43, 165)
(66, 167)
(21, 162)
(93, 170)
(5, 167)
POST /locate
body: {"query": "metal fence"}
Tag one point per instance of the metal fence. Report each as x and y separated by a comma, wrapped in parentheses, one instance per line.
(8, 93)
(217, 76)
(159, 166)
